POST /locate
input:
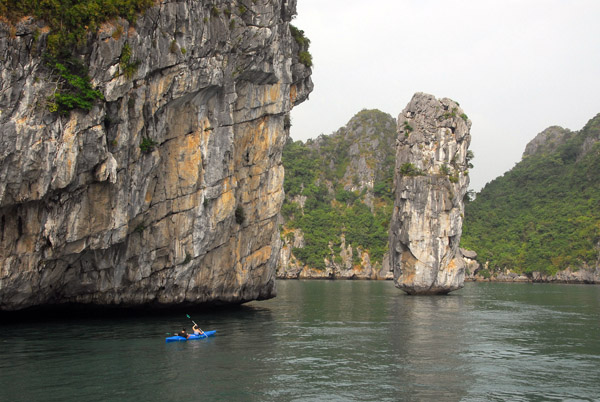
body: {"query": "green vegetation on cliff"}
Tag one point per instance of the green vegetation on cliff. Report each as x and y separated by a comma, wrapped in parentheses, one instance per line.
(544, 214)
(69, 22)
(76, 89)
(346, 181)
(303, 42)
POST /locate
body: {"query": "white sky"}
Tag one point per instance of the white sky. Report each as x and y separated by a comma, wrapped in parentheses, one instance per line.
(515, 66)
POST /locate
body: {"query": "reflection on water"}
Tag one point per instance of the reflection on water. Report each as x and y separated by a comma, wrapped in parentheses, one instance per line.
(428, 336)
(324, 341)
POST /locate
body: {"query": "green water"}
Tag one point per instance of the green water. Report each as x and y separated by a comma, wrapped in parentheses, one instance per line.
(324, 341)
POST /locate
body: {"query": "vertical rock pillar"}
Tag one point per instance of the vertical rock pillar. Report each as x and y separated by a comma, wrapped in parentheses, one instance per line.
(430, 182)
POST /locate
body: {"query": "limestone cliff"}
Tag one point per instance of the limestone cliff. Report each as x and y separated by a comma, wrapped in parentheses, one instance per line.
(167, 191)
(430, 182)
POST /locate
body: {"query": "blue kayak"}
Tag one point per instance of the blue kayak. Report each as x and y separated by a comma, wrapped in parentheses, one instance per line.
(178, 338)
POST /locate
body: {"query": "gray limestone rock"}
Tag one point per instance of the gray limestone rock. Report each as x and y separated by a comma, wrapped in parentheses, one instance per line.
(430, 181)
(470, 254)
(89, 216)
(547, 141)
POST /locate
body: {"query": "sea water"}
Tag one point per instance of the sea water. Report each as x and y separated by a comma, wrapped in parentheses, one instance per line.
(323, 341)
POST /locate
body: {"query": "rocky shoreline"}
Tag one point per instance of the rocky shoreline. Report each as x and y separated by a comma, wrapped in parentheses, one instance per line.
(475, 272)
(502, 278)
(581, 276)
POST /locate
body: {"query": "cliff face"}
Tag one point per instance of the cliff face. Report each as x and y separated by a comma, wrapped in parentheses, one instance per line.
(168, 190)
(430, 182)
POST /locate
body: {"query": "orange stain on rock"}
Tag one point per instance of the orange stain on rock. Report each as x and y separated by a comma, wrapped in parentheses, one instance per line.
(452, 265)
(190, 159)
(275, 92)
(259, 257)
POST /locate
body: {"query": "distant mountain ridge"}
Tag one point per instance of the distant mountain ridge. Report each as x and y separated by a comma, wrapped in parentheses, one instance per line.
(547, 141)
(338, 200)
(542, 216)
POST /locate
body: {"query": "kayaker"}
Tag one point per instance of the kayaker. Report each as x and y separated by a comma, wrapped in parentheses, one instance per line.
(183, 334)
(197, 330)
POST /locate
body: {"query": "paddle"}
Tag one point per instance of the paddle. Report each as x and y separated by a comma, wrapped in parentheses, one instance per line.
(188, 316)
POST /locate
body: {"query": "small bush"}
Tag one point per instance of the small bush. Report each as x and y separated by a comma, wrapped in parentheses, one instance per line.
(408, 169)
(173, 47)
(303, 44)
(407, 129)
(147, 145)
(128, 67)
(444, 170)
(240, 216)
(125, 53)
(116, 35)
(469, 158)
(75, 91)
(448, 115)
(299, 37)
(305, 58)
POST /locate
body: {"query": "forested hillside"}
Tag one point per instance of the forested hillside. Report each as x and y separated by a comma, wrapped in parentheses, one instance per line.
(338, 192)
(544, 214)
